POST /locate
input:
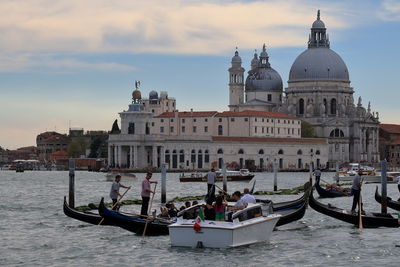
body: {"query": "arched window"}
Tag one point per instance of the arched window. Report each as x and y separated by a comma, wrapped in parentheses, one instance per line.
(220, 151)
(336, 133)
(181, 156)
(220, 130)
(299, 152)
(206, 156)
(333, 106)
(193, 156)
(280, 152)
(241, 151)
(261, 152)
(200, 151)
(301, 106)
(317, 152)
(167, 156)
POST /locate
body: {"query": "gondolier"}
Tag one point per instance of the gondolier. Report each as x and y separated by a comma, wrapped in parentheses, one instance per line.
(356, 190)
(317, 173)
(114, 192)
(211, 178)
(146, 192)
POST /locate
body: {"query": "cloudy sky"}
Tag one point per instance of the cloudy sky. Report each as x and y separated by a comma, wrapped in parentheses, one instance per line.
(75, 62)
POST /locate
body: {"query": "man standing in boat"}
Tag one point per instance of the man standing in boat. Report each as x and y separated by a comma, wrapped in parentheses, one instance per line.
(211, 178)
(356, 190)
(317, 174)
(146, 193)
(114, 193)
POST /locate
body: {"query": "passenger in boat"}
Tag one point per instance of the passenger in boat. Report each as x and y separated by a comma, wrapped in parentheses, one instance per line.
(219, 208)
(247, 197)
(355, 191)
(187, 204)
(211, 179)
(164, 213)
(240, 203)
(146, 193)
(209, 211)
(182, 208)
(172, 211)
(114, 192)
(195, 202)
(398, 183)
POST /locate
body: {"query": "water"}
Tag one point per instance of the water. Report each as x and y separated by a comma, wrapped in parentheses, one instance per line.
(35, 231)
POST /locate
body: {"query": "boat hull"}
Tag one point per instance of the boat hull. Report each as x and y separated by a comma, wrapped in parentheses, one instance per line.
(84, 216)
(223, 234)
(329, 193)
(219, 179)
(390, 203)
(369, 220)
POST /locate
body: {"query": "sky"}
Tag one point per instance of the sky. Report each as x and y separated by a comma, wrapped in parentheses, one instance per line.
(74, 63)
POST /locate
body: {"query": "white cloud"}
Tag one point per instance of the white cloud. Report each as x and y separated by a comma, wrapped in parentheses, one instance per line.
(390, 10)
(173, 26)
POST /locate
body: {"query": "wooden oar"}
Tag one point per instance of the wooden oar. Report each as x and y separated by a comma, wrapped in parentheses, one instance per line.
(116, 203)
(360, 223)
(151, 203)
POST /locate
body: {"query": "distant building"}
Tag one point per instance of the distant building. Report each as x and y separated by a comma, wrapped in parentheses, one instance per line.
(50, 142)
(389, 143)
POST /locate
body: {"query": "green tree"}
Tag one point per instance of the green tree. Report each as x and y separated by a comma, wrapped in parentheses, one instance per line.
(94, 148)
(77, 147)
(307, 130)
(115, 129)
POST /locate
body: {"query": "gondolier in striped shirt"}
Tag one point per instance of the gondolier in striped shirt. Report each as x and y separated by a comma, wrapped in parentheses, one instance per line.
(114, 192)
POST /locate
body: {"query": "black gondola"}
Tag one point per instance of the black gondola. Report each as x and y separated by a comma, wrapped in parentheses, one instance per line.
(390, 203)
(369, 220)
(330, 193)
(293, 204)
(133, 223)
(291, 215)
(84, 216)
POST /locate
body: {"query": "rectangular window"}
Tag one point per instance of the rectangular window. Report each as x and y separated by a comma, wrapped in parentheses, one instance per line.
(220, 120)
(131, 128)
(206, 129)
(183, 129)
(269, 97)
(267, 120)
(161, 129)
(272, 120)
(267, 129)
(298, 131)
(172, 120)
(206, 158)
(194, 129)
(255, 129)
(279, 130)
(194, 120)
(262, 129)
(206, 120)
(255, 119)
(162, 120)
(232, 119)
(152, 124)
(183, 120)
(246, 119)
(172, 129)
(279, 121)
(262, 120)
(272, 130)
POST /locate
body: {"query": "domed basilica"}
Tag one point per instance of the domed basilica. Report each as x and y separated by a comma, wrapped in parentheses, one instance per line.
(318, 92)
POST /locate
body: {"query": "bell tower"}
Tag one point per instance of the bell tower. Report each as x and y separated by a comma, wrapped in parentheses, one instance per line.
(236, 82)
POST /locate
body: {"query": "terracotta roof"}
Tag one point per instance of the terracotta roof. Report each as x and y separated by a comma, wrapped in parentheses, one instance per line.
(395, 141)
(59, 153)
(269, 140)
(57, 139)
(187, 114)
(254, 113)
(390, 128)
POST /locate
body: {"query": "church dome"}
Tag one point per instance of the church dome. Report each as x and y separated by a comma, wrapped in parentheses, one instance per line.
(153, 95)
(318, 63)
(236, 58)
(263, 77)
(136, 95)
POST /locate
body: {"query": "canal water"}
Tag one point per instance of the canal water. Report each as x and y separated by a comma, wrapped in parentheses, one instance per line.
(35, 231)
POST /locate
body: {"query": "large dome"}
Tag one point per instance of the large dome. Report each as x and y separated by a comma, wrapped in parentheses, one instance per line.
(264, 79)
(318, 63)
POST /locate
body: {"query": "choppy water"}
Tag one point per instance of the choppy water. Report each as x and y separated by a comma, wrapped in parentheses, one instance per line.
(35, 231)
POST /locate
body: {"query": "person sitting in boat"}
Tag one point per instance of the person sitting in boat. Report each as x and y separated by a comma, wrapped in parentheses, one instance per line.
(209, 211)
(247, 197)
(240, 203)
(164, 213)
(187, 204)
(114, 192)
(195, 202)
(219, 208)
(172, 211)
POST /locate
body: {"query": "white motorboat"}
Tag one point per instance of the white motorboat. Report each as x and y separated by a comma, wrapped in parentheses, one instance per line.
(243, 227)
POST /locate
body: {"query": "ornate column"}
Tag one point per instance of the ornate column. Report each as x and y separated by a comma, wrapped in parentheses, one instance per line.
(109, 155)
(135, 156)
(162, 155)
(115, 158)
(154, 151)
(119, 156)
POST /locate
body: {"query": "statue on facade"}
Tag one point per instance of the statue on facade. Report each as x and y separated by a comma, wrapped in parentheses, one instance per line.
(309, 108)
(369, 108)
(359, 104)
(322, 109)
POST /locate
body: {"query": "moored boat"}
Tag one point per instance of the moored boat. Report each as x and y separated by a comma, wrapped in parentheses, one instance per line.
(390, 202)
(335, 191)
(84, 216)
(241, 175)
(369, 219)
(243, 227)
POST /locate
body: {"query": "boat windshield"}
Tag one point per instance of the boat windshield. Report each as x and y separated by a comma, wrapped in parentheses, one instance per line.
(248, 213)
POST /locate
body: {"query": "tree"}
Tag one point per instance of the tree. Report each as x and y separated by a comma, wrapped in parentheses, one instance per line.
(115, 129)
(307, 130)
(94, 148)
(77, 147)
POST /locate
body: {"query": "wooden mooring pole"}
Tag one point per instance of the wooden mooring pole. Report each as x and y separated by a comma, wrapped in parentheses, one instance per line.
(275, 175)
(224, 179)
(384, 186)
(71, 200)
(163, 183)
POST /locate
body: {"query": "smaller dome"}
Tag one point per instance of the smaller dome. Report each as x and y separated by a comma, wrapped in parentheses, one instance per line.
(136, 95)
(153, 95)
(319, 24)
(236, 58)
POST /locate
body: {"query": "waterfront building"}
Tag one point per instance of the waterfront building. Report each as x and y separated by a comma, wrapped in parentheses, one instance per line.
(389, 143)
(50, 142)
(205, 139)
